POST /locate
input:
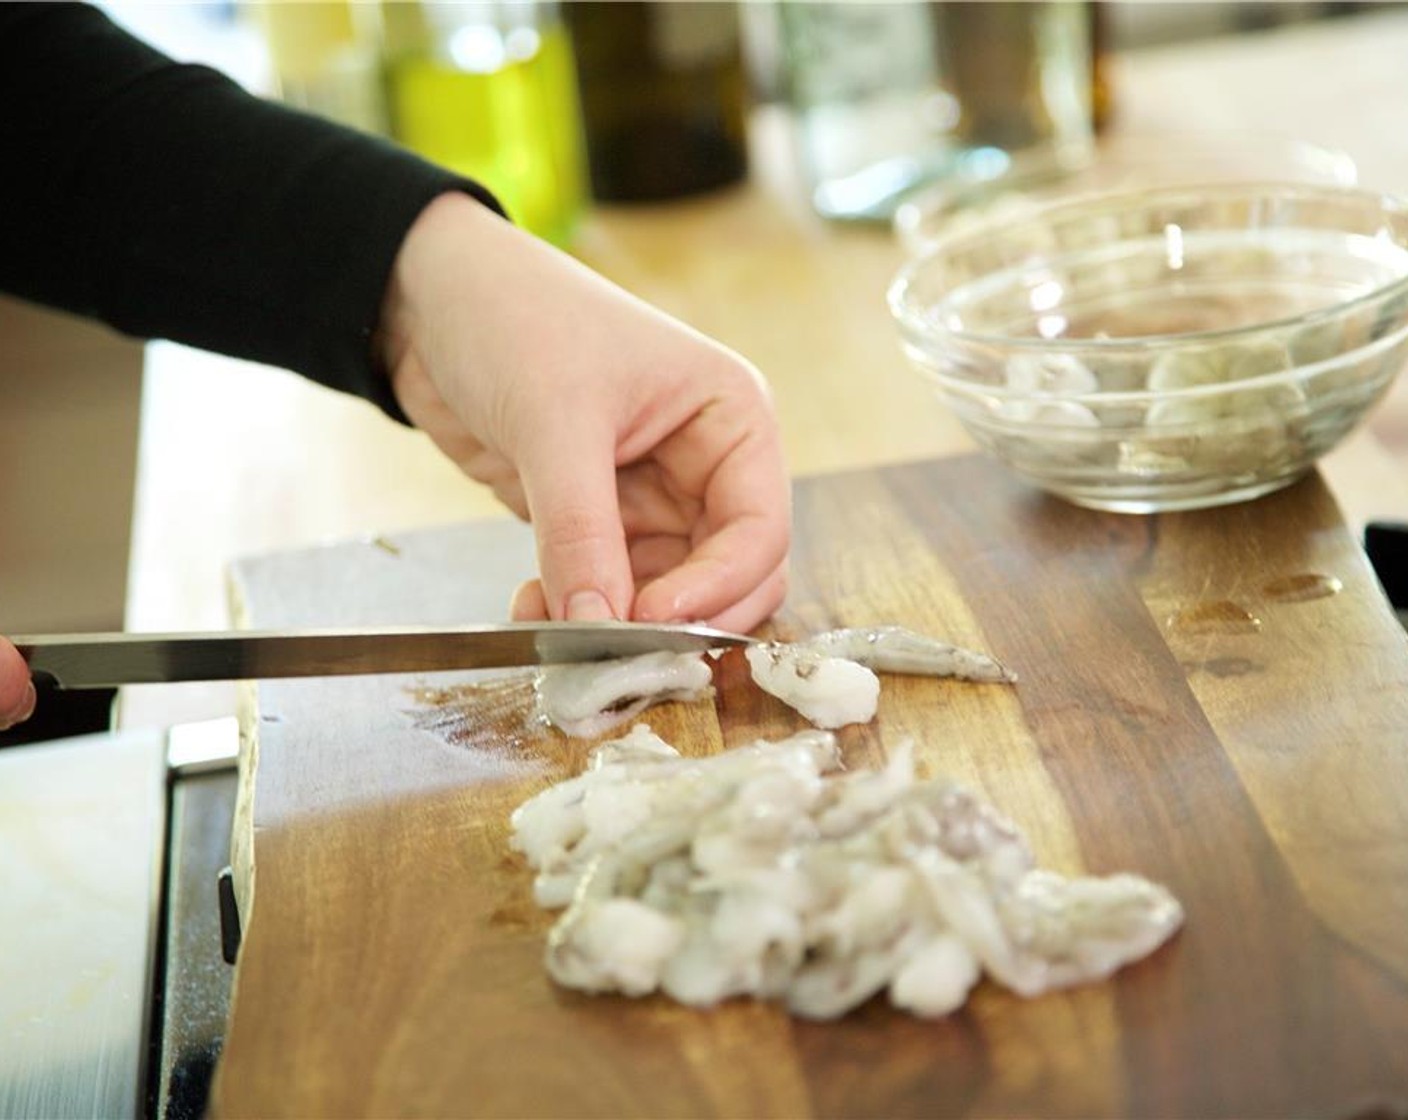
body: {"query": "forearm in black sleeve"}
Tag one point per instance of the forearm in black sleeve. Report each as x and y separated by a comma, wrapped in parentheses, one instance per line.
(163, 199)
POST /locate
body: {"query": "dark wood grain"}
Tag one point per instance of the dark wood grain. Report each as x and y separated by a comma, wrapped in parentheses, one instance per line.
(392, 965)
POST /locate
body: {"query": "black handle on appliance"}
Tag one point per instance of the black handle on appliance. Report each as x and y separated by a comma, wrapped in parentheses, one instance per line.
(1386, 543)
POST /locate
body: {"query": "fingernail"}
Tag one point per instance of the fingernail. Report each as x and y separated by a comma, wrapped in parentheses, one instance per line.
(24, 711)
(588, 606)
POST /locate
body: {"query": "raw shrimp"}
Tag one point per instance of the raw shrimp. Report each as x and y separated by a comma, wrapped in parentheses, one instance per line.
(828, 678)
(589, 699)
(765, 872)
(893, 649)
(828, 691)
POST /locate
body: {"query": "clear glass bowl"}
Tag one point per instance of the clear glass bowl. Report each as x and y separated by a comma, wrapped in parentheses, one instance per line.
(1000, 188)
(1165, 349)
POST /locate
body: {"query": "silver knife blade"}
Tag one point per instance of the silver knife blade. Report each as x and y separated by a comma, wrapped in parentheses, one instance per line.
(105, 660)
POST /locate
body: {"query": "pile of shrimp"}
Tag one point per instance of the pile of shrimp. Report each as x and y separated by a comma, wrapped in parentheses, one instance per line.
(769, 871)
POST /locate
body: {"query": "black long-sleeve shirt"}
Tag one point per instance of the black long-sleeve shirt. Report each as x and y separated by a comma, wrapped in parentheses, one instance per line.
(165, 200)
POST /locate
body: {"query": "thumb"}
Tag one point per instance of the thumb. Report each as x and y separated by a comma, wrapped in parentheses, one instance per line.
(17, 697)
(569, 480)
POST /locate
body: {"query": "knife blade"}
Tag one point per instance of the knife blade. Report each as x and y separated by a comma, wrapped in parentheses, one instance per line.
(104, 660)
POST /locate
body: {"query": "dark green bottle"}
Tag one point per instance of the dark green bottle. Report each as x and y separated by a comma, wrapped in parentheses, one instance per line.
(663, 92)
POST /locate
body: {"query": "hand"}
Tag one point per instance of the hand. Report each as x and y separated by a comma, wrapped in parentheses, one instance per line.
(646, 456)
(17, 696)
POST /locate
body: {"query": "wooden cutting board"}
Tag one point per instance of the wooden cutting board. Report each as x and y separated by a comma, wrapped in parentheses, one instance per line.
(1215, 700)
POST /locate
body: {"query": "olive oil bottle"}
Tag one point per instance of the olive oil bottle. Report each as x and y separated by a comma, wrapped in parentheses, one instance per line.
(663, 93)
(490, 91)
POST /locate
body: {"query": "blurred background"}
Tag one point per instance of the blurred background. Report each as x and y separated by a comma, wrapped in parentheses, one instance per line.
(562, 110)
(557, 105)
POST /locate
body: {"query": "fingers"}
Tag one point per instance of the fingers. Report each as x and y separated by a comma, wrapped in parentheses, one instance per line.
(569, 483)
(721, 579)
(653, 556)
(706, 517)
(530, 605)
(743, 536)
(653, 503)
(756, 607)
(529, 602)
(17, 695)
(698, 531)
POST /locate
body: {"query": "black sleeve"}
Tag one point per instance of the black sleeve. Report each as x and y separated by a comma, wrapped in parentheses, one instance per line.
(168, 202)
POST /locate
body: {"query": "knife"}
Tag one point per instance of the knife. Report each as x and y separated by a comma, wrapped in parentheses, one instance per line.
(110, 659)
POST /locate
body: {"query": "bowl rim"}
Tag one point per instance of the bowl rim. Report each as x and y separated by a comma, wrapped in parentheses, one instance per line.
(917, 324)
(916, 209)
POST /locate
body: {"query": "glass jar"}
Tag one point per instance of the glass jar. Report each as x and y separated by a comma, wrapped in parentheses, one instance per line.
(324, 58)
(886, 97)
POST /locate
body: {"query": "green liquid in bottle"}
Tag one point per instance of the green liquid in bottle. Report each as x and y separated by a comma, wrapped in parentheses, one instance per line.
(515, 127)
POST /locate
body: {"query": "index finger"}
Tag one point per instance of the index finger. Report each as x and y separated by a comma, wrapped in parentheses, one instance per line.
(569, 482)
